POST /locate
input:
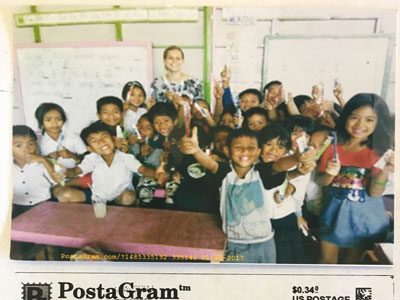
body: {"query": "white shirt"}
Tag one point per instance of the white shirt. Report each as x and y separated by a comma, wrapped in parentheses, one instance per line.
(31, 184)
(110, 181)
(132, 117)
(69, 141)
(300, 183)
(283, 209)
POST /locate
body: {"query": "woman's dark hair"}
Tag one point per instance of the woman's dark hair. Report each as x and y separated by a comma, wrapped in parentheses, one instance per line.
(45, 108)
(274, 131)
(382, 138)
(170, 48)
(254, 111)
(23, 130)
(128, 86)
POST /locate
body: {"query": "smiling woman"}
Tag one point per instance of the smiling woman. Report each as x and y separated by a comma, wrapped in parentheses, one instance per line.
(174, 81)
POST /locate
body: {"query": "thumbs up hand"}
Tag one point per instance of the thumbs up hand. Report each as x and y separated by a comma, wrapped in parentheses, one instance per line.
(190, 145)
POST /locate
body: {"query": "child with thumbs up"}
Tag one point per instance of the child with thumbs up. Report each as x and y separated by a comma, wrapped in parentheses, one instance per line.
(243, 207)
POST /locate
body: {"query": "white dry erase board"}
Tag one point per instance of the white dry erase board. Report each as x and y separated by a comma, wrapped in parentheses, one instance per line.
(360, 63)
(77, 75)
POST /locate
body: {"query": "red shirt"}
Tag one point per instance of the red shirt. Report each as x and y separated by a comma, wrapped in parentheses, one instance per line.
(365, 158)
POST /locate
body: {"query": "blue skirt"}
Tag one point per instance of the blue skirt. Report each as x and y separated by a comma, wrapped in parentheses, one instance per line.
(349, 223)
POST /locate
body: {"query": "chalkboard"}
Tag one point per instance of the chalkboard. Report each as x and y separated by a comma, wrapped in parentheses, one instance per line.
(77, 75)
(360, 63)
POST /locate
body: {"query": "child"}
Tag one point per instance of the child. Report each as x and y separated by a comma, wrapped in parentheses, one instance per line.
(62, 147)
(271, 93)
(110, 111)
(249, 98)
(203, 121)
(298, 126)
(147, 151)
(353, 215)
(111, 169)
(56, 142)
(325, 113)
(255, 119)
(275, 102)
(164, 119)
(243, 207)
(220, 134)
(33, 175)
(134, 96)
(227, 118)
(318, 139)
(275, 143)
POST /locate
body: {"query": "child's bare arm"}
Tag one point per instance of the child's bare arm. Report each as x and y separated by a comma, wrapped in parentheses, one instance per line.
(225, 76)
(73, 172)
(190, 145)
(338, 92)
(332, 170)
(57, 177)
(285, 163)
(291, 105)
(378, 181)
(218, 92)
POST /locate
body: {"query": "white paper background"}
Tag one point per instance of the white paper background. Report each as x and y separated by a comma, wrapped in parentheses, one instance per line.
(203, 279)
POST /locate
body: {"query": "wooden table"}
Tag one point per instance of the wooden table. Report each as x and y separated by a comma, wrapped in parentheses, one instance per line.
(124, 230)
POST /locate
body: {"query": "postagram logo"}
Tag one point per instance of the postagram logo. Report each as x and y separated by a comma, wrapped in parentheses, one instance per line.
(36, 291)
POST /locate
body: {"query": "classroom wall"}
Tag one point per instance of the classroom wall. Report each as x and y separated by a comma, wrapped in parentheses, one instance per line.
(160, 34)
(268, 21)
(299, 21)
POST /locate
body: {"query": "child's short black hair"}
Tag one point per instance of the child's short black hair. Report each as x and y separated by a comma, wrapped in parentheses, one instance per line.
(163, 109)
(251, 91)
(145, 116)
(323, 128)
(299, 100)
(254, 111)
(221, 128)
(23, 130)
(109, 100)
(129, 85)
(94, 128)
(269, 84)
(274, 131)
(305, 123)
(44, 108)
(236, 133)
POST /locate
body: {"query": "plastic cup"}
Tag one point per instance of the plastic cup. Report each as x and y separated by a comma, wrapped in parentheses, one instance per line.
(100, 208)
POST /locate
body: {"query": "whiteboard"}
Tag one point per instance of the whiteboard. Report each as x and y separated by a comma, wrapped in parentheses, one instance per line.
(77, 75)
(360, 63)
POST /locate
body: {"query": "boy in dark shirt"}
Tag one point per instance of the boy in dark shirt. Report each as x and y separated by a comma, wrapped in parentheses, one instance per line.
(243, 207)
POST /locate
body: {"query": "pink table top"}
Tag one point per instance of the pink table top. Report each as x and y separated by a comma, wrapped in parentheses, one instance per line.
(123, 230)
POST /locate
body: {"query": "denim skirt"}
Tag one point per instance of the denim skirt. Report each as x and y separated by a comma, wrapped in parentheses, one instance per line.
(352, 218)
